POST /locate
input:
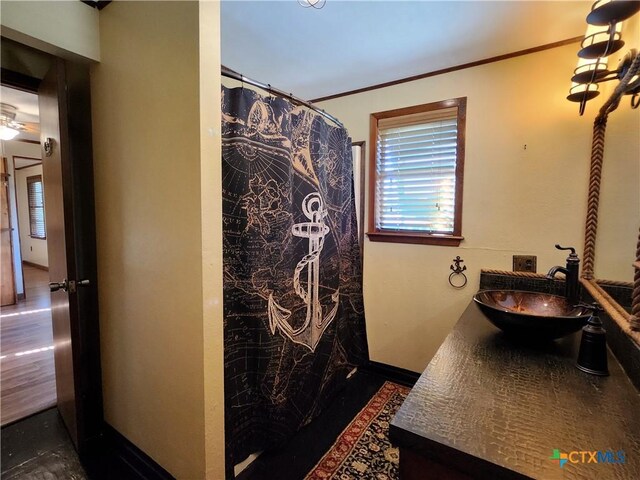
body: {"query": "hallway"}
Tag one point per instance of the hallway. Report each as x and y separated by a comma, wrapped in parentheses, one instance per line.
(26, 364)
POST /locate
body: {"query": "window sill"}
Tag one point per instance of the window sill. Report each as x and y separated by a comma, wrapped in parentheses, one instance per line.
(37, 238)
(415, 238)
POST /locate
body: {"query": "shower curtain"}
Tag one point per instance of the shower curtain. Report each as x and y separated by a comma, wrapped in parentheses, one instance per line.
(294, 318)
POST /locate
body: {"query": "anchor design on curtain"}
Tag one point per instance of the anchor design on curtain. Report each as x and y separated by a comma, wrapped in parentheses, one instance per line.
(315, 324)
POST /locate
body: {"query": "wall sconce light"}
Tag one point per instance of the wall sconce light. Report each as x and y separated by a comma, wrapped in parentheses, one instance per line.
(589, 70)
(601, 41)
(603, 38)
(578, 91)
(604, 12)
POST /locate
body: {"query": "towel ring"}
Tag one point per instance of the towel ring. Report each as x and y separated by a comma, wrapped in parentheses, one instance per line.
(457, 270)
(460, 285)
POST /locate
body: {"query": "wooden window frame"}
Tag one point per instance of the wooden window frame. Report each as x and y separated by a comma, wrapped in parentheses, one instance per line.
(395, 236)
(35, 179)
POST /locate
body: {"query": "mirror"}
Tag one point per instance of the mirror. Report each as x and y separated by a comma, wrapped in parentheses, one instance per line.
(619, 209)
(617, 206)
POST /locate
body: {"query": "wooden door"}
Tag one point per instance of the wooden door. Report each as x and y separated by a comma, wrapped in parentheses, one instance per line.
(67, 167)
(8, 280)
(54, 139)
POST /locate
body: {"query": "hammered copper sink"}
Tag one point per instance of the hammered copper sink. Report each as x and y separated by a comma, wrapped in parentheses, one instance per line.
(539, 316)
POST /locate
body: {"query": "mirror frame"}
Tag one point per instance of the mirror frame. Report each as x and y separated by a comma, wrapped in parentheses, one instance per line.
(628, 322)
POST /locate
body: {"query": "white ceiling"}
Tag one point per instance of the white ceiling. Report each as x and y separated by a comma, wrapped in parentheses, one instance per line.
(27, 110)
(25, 102)
(354, 44)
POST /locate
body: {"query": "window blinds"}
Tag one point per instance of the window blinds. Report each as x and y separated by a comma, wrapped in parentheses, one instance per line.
(416, 172)
(35, 193)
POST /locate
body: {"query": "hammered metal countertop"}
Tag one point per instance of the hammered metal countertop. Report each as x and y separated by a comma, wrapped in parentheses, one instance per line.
(492, 408)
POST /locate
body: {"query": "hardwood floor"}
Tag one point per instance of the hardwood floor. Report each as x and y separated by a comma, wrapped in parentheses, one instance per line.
(27, 371)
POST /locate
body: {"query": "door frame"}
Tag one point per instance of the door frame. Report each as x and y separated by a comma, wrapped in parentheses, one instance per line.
(79, 203)
(10, 227)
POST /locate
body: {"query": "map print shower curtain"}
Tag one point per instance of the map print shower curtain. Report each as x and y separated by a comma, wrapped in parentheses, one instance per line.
(294, 318)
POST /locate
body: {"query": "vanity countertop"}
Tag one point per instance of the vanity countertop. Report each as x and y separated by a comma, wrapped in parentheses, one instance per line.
(492, 408)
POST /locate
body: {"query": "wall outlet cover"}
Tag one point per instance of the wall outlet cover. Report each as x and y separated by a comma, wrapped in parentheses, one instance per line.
(525, 263)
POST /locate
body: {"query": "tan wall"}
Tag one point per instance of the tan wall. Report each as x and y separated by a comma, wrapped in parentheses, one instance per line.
(211, 192)
(516, 200)
(158, 315)
(66, 28)
(156, 115)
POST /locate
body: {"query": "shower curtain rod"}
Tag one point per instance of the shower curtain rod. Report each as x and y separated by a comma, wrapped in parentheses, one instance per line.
(227, 72)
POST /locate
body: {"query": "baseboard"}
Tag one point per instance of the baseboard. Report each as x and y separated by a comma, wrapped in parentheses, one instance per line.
(394, 374)
(35, 265)
(139, 464)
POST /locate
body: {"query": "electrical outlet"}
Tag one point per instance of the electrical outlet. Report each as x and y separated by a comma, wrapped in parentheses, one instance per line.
(525, 263)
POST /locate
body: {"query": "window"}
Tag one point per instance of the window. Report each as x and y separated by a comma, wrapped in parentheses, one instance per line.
(35, 193)
(417, 161)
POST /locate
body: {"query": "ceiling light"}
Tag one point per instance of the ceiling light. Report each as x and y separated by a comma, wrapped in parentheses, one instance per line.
(7, 133)
(317, 4)
(9, 128)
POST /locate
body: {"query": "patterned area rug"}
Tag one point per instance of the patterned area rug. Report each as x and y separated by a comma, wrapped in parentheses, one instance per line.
(363, 451)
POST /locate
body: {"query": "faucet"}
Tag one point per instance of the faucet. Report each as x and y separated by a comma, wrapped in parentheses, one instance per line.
(571, 285)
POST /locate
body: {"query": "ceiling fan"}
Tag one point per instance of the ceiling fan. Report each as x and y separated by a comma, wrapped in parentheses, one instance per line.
(9, 127)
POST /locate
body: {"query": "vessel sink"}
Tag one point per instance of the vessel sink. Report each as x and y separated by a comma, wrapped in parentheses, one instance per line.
(531, 315)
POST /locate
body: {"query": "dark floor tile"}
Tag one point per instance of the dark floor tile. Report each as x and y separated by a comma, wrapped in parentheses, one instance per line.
(39, 447)
(57, 464)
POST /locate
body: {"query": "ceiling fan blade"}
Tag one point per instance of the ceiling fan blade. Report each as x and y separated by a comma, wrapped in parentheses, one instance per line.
(31, 127)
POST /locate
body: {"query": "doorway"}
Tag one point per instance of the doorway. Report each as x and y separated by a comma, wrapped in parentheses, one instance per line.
(27, 360)
(64, 102)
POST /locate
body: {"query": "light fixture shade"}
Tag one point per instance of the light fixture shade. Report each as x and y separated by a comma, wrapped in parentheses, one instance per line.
(633, 87)
(7, 133)
(581, 92)
(590, 70)
(317, 4)
(601, 41)
(604, 12)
